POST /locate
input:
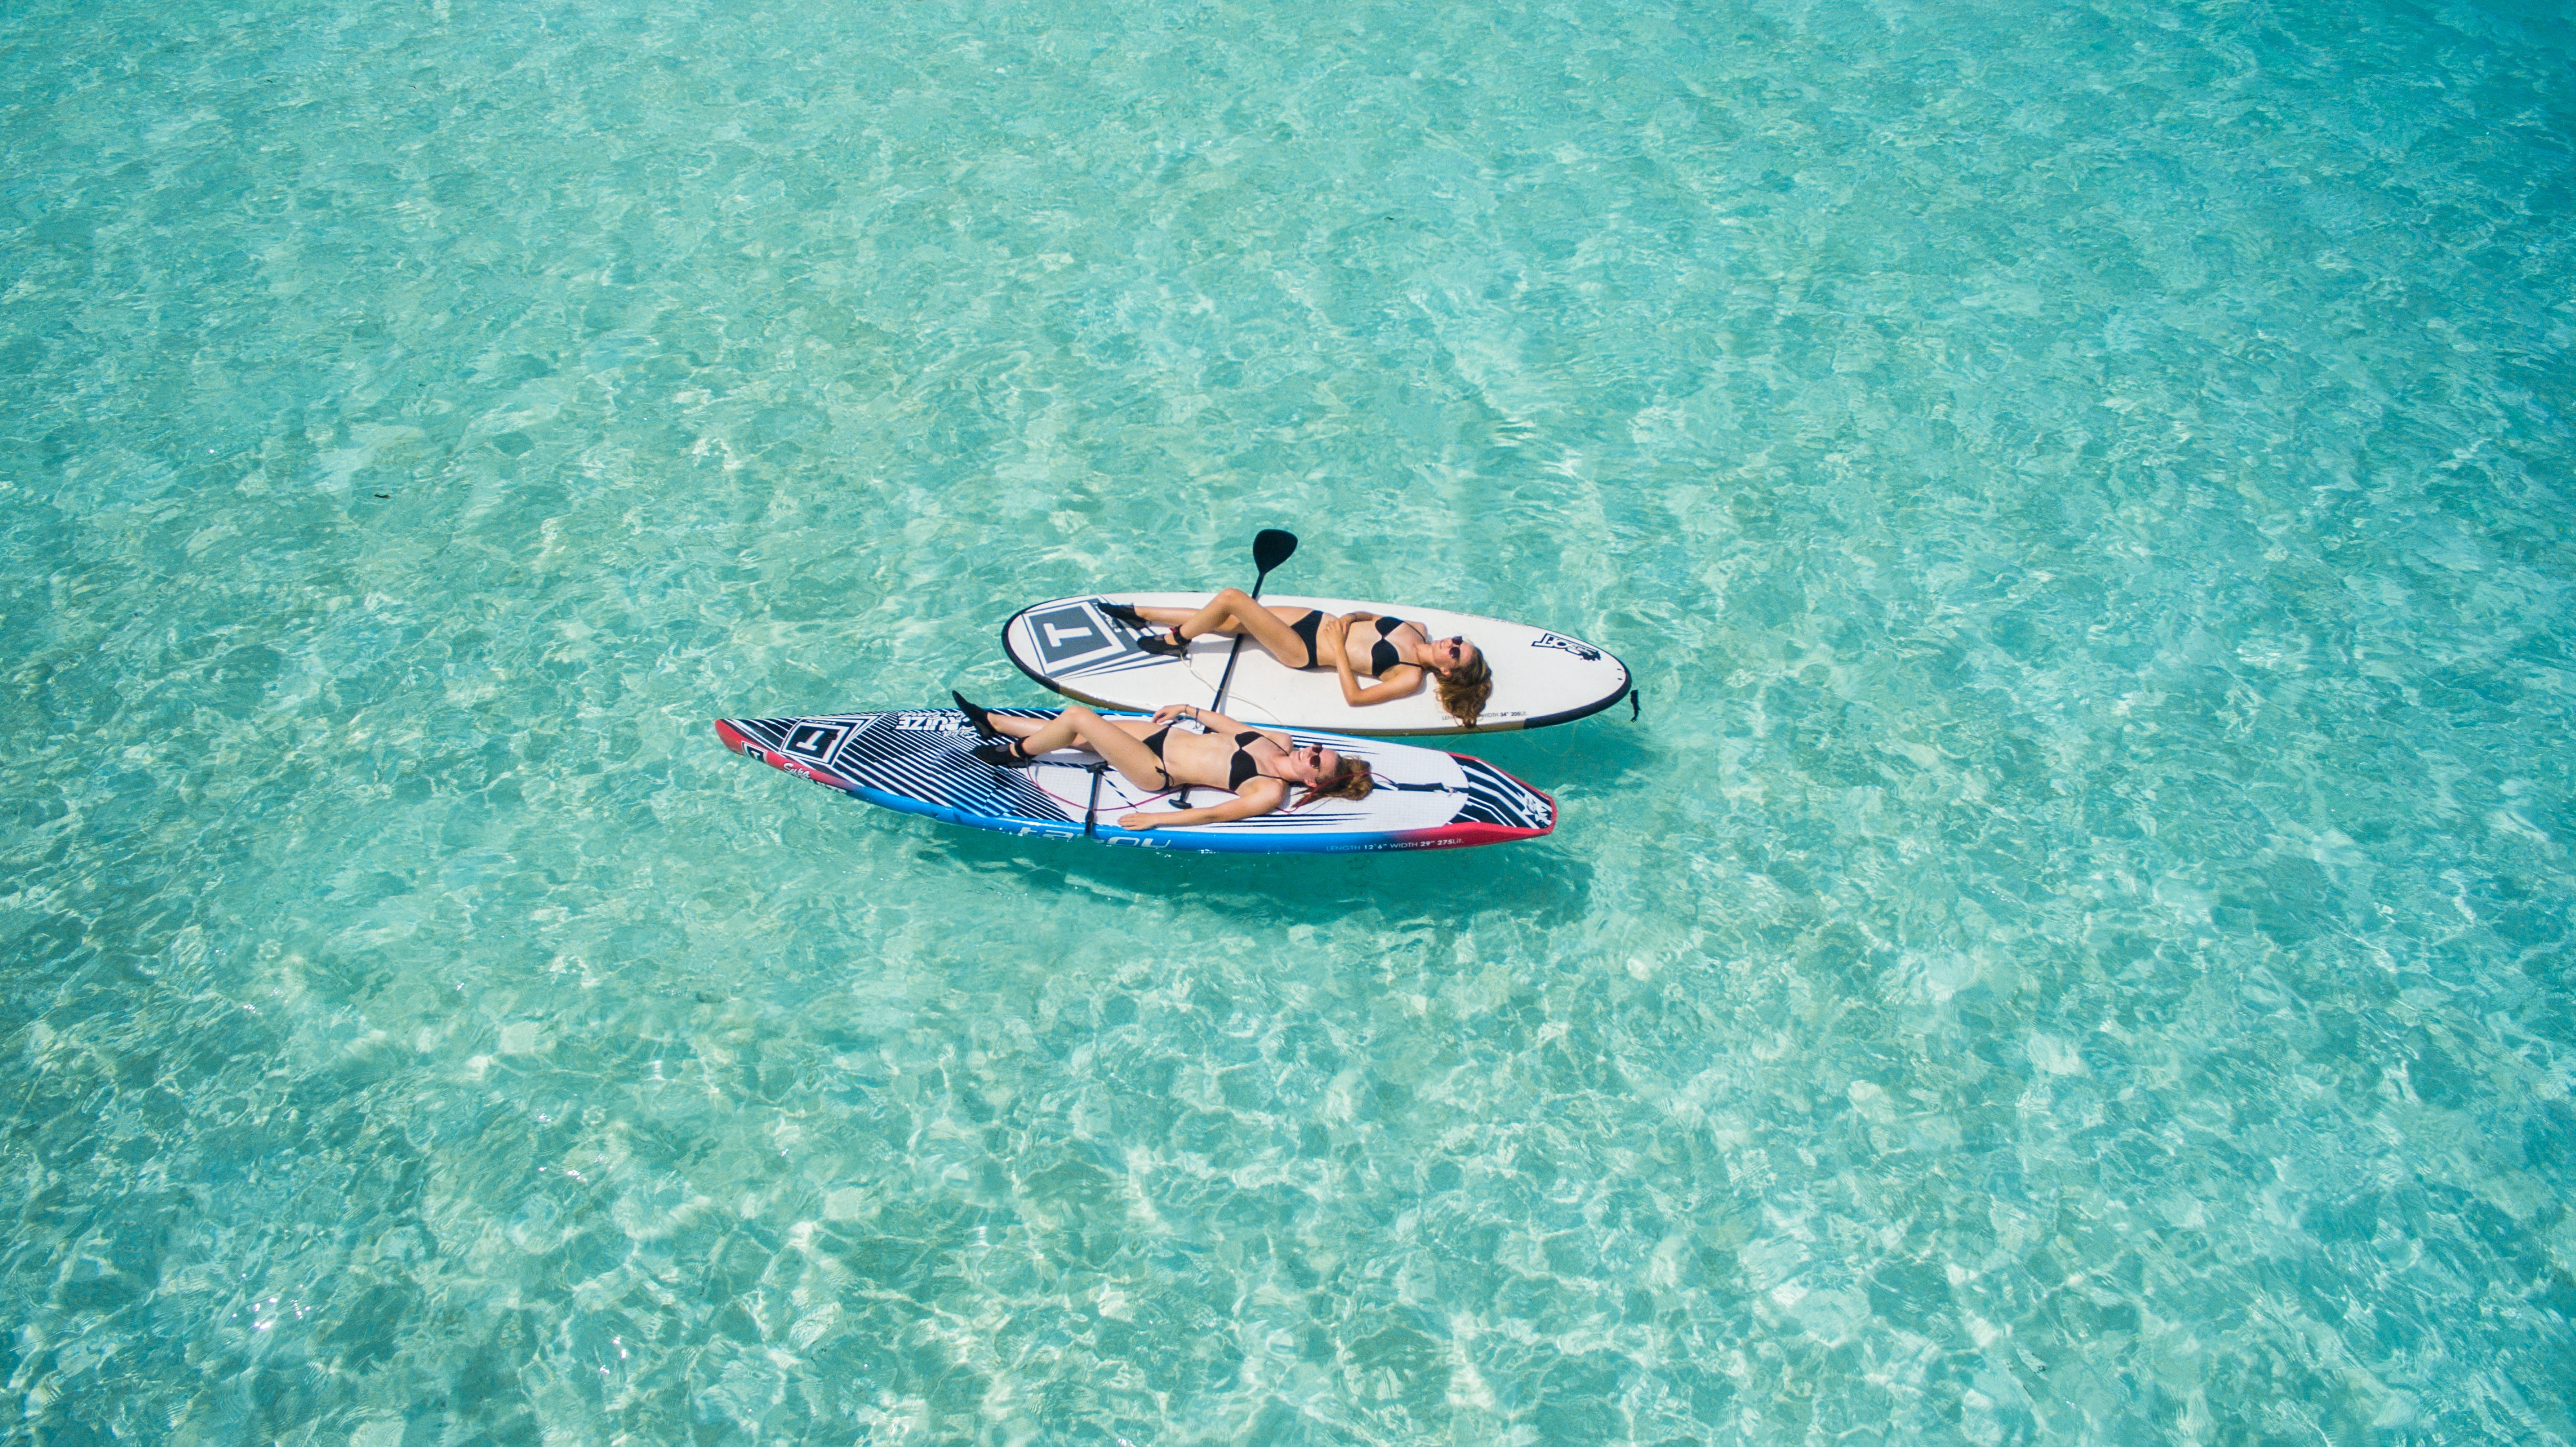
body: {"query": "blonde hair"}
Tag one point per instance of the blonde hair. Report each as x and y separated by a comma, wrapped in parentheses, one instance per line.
(1351, 781)
(1466, 689)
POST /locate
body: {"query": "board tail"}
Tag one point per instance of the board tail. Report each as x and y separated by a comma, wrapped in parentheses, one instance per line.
(742, 743)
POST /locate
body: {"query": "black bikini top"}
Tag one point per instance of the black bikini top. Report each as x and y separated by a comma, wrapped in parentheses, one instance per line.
(1244, 766)
(1384, 655)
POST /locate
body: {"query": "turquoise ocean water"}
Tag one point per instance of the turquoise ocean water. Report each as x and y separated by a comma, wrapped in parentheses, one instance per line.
(2078, 948)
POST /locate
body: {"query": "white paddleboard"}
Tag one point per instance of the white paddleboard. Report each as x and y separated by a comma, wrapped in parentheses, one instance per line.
(917, 760)
(1540, 677)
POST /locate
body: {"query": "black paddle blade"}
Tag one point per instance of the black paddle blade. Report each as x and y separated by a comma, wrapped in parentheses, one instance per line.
(1271, 547)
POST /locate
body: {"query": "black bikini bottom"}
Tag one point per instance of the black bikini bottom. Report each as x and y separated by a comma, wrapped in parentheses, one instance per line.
(1305, 628)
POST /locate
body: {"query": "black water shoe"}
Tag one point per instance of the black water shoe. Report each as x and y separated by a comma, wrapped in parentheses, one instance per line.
(981, 718)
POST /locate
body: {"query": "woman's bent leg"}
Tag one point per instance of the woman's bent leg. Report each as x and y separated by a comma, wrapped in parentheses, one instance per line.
(1120, 741)
(1167, 616)
(1018, 728)
(1217, 615)
(1235, 611)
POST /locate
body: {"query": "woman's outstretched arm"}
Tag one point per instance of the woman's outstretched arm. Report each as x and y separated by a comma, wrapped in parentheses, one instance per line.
(1255, 799)
(1217, 723)
(1206, 718)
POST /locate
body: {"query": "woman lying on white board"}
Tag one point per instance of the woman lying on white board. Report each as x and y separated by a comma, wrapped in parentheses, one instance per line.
(1255, 765)
(1399, 654)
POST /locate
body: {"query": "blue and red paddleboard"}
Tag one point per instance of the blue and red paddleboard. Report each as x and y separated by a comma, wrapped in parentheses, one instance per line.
(916, 760)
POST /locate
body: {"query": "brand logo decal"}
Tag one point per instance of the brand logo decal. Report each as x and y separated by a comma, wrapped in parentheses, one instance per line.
(1073, 634)
(814, 741)
(1584, 651)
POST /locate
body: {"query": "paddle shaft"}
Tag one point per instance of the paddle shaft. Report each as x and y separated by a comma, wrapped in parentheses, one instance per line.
(1272, 543)
(1225, 680)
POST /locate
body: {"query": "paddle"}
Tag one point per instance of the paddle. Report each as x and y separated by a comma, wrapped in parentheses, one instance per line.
(1270, 548)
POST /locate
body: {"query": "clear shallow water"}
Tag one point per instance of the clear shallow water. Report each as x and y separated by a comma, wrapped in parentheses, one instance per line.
(2078, 950)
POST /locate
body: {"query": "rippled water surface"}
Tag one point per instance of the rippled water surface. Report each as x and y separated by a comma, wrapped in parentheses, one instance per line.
(2077, 949)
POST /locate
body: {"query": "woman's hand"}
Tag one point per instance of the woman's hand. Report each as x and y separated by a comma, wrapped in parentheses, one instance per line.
(1331, 636)
(1140, 822)
(1171, 711)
